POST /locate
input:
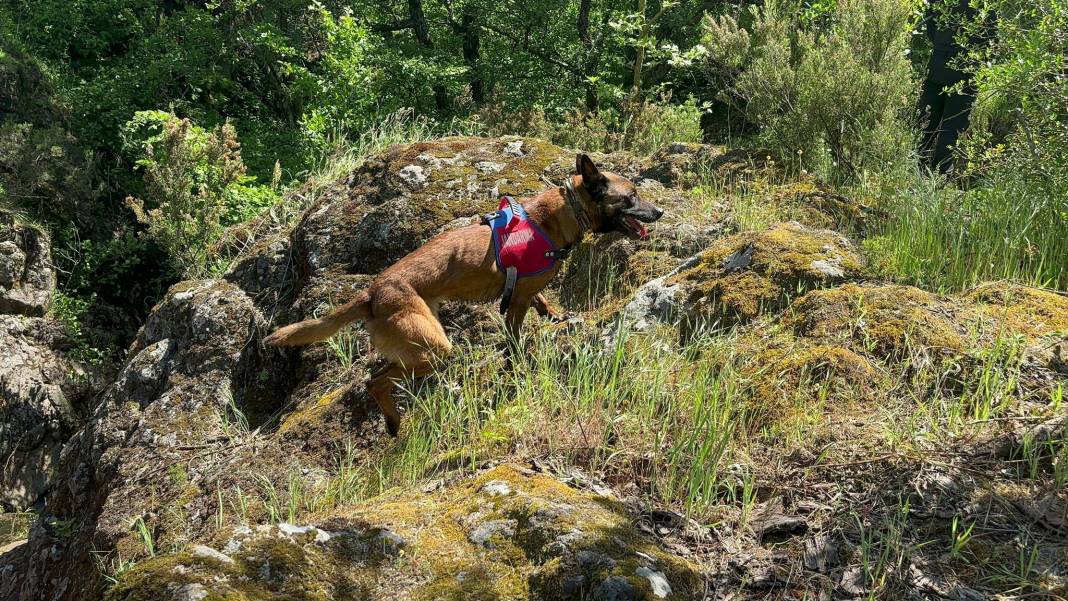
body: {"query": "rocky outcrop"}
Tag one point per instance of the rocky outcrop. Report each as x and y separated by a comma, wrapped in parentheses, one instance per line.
(194, 358)
(38, 386)
(201, 407)
(507, 534)
(27, 279)
(746, 275)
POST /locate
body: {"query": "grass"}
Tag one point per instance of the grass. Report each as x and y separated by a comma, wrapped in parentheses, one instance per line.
(944, 239)
(640, 410)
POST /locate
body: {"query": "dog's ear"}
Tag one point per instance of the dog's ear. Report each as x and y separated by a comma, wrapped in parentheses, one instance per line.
(591, 176)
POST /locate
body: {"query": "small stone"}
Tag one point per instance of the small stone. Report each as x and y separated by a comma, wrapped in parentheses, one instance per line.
(778, 525)
(831, 269)
(191, 592)
(514, 149)
(740, 259)
(293, 532)
(209, 553)
(497, 488)
(484, 532)
(656, 578)
(821, 553)
(413, 175)
(391, 542)
(852, 582)
(489, 166)
(590, 560)
(572, 586)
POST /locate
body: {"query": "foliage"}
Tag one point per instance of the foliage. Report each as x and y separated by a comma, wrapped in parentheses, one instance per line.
(1010, 219)
(189, 174)
(70, 311)
(837, 97)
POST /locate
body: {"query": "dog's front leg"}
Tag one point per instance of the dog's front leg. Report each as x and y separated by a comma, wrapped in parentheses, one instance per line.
(542, 306)
(513, 322)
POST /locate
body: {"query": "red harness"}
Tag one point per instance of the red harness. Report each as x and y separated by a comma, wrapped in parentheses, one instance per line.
(522, 249)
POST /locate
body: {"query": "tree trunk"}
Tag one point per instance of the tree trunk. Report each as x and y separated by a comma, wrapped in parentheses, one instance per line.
(589, 66)
(473, 58)
(422, 35)
(639, 57)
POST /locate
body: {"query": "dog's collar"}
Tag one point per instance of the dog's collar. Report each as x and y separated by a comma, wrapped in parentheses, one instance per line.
(575, 204)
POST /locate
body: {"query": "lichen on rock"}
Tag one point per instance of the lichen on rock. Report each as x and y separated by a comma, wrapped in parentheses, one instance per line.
(746, 275)
(507, 534)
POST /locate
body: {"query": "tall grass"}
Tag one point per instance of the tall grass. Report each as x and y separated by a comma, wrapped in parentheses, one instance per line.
(639, 410)
(945, 239)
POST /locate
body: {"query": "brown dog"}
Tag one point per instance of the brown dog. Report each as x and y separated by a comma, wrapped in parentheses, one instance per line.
(400, 308)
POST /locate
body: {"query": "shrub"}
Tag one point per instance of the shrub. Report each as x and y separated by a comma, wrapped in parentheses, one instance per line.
(189, 175)
(640, 127)
(837, 97)
(1011, 219)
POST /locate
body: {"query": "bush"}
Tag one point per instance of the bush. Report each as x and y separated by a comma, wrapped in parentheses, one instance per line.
(189, 176)
(640, 127)
(837, 97)
(1011, 220)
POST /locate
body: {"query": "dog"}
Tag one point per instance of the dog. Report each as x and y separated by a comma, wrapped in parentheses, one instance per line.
(400, 307)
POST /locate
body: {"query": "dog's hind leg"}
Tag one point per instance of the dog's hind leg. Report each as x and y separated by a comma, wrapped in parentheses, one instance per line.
(410, 338)
(381, 388)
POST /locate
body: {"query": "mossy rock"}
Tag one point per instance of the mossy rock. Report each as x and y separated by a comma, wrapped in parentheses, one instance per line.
(1025, 310)
(505, 535)
(749, 274)
(884, 320)
(787, 372)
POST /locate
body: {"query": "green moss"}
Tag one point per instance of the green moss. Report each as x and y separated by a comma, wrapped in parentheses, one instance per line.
(1026, 310)
(786, 259)
(885, 321)
(437, 559)
(310, 412)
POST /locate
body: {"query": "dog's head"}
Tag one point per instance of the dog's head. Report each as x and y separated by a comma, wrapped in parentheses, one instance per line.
(613, 202)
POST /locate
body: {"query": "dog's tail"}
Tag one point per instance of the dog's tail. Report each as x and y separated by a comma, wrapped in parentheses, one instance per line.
(313, 330)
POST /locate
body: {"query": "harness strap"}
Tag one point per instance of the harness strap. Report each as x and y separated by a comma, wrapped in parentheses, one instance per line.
(510, 276)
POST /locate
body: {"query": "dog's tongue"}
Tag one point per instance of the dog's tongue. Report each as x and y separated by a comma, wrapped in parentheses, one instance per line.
(639, 227)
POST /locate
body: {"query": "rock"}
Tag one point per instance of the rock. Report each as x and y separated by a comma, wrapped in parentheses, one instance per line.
(770, 523)
(208, 552)
(27, 278)
(413, 175)
(485, 532)
(39, 390)
(853, 582)
(677, 163)
(440, 561)
(614, 588)
(746, 275)
(822, 553)
(192, 361)
(191, 592)
(661, 587)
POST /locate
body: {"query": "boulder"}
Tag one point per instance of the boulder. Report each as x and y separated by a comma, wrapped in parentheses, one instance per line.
(506, 534)
(194, 360)
(746, 275)
(27, 279)
(39, 390)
